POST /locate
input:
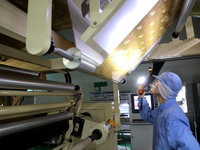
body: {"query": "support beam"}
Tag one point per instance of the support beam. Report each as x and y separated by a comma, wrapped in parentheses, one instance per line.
(38, 37)
(178, 48)
(174, 49)
(20, 55)
(116, 106)
(94, 13)
(13, 24)
(189, 28)
(27, 61)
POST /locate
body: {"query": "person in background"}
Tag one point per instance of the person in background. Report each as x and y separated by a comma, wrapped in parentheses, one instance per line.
(171, 129)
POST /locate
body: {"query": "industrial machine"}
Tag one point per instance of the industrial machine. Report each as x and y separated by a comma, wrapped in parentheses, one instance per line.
(36, 123)
(111, 39)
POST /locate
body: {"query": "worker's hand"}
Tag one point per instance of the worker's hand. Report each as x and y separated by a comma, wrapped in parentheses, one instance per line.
(138, 91)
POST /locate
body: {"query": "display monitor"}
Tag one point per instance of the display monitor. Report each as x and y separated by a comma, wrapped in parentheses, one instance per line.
(134, 101)
(124, 109)
(181, 99)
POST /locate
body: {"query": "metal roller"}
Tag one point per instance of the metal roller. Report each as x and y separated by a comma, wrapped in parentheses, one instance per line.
(186, 9)
(34, 93)
(20, 126)
(83, 144)
(73, 58)
(16, 82)
(27, 110)
(81, 62)
(18, 70)
(96, 135)
(62, 53)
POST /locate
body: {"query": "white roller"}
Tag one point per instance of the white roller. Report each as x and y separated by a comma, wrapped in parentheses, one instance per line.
(82, 145)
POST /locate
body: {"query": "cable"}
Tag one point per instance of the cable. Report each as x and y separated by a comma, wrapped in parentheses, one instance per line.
(68, 78)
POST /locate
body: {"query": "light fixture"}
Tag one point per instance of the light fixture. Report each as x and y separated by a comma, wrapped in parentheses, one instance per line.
(141, 80)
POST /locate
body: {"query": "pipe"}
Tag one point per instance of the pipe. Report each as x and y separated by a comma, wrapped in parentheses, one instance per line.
(34, 93)
(25, 110)
(82, 145)
(87, 65)
(16, 127)
(17, 82)
(18, 70)
(73, 58)
(81, 63)
(62, 53)
(186, 9)
(96, 135)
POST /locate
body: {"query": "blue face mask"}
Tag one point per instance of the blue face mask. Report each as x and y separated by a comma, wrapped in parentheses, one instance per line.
(169, 84)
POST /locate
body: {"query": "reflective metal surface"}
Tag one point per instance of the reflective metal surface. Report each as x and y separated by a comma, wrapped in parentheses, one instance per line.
(186, 9)
(63, 53)
(16, 127)
(81, 63)
(34, 93)
(18, 70)
(17, 82)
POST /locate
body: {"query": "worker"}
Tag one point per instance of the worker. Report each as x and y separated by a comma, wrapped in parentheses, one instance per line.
(171, 129)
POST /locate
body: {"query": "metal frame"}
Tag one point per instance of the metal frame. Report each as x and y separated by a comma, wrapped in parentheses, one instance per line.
(38, 36)
(116, 106)
(101, 112)
(20, 55)
(178, 48)
(13, 24)
(107, 13)
(94, 13)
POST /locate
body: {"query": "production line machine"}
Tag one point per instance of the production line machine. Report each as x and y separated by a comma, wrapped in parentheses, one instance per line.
(103, 48)
(23, 126)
